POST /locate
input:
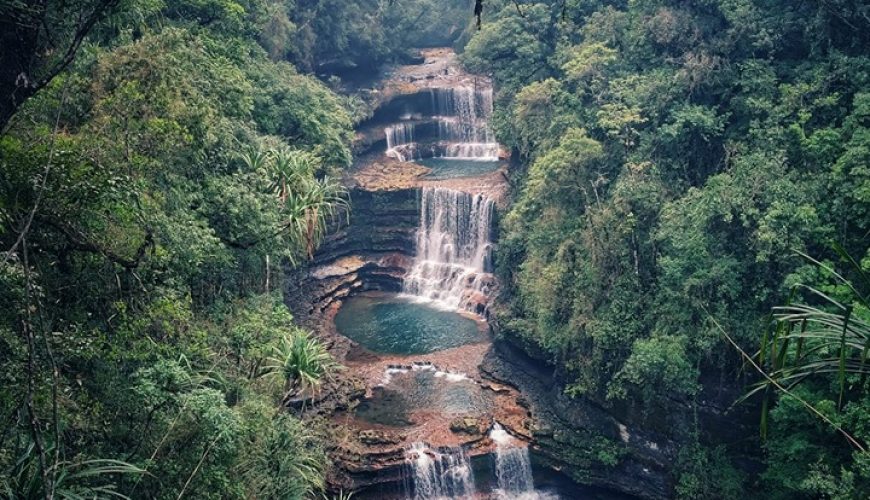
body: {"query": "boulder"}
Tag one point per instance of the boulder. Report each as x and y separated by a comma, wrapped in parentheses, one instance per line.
(473, 426)
(372, 437)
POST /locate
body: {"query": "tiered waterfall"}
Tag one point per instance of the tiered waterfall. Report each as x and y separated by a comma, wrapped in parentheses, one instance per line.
(453, 265)
(462, 116)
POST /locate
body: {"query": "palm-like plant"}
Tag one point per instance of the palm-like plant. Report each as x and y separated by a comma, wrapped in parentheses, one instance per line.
(301, 363)
(69, 480)
(286, 462)
(306, 201)
(289, 169)
(256, 160)
(322, 199)
(341, 495)
(828, 338)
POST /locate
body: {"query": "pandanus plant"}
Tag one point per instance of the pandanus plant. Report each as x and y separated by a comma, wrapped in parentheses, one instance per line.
(307, 202)
(67, 480)
(256, 160)
(820, 336)
(301, 363)
(289, 170)
(322, 200)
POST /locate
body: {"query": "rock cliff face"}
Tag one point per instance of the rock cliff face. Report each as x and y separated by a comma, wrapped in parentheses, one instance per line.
(622, 448)
(380, 222)
(579, 438)
(370, 250)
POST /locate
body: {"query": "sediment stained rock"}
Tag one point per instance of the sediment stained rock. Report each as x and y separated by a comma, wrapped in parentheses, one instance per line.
(580, 438)
(368, 249)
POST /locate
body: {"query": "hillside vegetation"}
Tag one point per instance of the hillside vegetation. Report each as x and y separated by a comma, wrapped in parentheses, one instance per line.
(680, 156)
(151, 194)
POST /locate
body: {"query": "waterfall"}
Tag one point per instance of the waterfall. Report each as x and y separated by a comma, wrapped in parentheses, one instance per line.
(400, 141)
(513, 468)
(452, 130)
(453, 263)
(438, 474)
(462, 116)
(463, 123)
(466, 102)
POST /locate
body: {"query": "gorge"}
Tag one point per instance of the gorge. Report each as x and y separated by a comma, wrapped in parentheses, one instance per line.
(402, 292)
(403, 295)
(431, 249)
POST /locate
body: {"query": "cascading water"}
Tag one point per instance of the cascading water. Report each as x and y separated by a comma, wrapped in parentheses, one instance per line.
(463, 123)
(454, 252)
(462, 116)
(513, 469)
(400, 141)
(438, 474)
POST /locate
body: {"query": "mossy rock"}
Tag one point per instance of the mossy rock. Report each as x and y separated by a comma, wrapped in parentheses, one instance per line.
(373, 437)
(473, 426)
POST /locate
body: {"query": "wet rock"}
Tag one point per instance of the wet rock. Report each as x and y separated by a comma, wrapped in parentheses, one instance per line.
(477, 302)
(297, 403)
(497, 388)
(374, 437)
(358, 389)
(473, 426)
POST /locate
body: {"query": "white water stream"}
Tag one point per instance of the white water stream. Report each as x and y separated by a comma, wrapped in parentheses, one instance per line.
(439, 474)
(462, 115)
(453, 265)
(513, 468)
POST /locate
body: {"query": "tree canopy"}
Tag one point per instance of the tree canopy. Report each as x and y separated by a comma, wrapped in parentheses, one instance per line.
(680, 156)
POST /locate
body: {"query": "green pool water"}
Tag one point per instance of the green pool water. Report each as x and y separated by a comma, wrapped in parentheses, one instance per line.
(396, 402)
(443, 168)
(394, 325)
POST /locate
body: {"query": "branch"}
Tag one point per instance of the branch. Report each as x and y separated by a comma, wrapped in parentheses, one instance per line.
(78, 37)
(33, 419)
(23, 88)
(198, 465)
(478, 11)
(45, 173)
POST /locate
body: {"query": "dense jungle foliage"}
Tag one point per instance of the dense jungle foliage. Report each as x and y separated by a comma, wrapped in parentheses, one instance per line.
(685, 167)
(150, 195)
(681, 156)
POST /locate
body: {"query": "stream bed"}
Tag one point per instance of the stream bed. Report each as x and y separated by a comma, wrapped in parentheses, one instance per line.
(452, 168)
(407, 396)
